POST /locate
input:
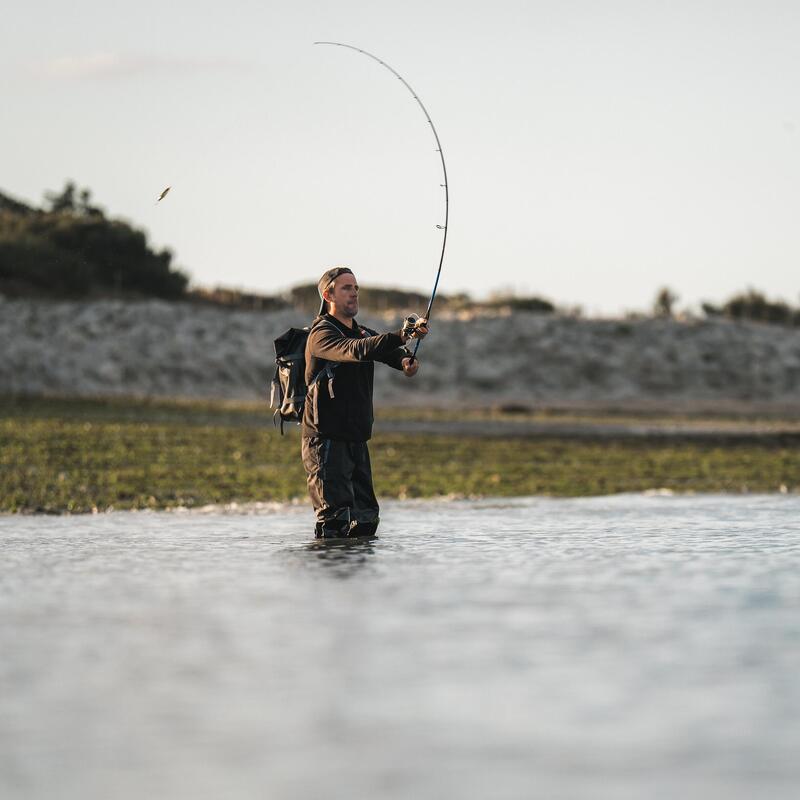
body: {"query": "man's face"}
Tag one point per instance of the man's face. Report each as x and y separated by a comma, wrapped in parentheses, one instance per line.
(344, 295)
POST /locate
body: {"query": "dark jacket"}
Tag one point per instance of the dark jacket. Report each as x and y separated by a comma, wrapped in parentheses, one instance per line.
(339, 372)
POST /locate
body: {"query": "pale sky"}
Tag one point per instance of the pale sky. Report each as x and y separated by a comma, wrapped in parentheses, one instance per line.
(595, 150)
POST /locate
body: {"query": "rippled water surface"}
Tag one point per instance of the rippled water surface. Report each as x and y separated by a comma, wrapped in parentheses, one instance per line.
(619, 647)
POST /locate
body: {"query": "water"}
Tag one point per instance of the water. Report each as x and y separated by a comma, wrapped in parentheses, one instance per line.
(622, 647)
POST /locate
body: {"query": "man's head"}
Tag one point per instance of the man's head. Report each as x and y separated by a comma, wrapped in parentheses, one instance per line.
(339, 292)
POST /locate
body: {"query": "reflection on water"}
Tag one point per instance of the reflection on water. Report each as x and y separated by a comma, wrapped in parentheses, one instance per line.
(343, 557)
(618, 647)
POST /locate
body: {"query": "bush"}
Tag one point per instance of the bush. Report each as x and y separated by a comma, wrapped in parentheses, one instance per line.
(72, 250)
(234, 298)
(513, 303)
(753, 305)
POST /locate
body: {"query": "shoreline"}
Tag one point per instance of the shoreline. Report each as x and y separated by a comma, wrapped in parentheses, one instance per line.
(269, 508)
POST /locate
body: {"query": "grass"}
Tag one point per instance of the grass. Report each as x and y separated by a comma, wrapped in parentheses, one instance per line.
(78, 455)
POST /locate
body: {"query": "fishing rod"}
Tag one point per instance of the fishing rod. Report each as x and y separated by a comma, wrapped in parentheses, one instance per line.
(444, 185)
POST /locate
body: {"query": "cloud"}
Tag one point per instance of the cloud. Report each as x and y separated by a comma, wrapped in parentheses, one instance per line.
(96, 66)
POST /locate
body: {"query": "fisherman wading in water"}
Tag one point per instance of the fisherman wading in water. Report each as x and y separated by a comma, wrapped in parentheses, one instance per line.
(337, 420)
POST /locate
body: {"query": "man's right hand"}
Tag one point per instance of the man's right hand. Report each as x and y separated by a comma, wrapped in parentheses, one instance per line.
(410, 366)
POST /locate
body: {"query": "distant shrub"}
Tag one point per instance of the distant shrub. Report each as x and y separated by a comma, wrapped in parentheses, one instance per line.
(233, 298)
(376, 298)
(753, 305)
(306, 298)
(514, 302)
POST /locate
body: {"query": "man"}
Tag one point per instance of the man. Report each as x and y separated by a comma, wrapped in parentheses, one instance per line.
(338, 415)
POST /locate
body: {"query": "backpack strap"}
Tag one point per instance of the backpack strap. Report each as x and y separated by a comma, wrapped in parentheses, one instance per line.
(275, 387)
(326, 371)
(330, 366)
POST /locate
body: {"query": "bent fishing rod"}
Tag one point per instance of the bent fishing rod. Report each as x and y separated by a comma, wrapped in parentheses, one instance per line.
(444, 185)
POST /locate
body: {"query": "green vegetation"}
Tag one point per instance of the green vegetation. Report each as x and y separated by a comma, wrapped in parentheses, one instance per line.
(753, 305)
(379, 299)
(76, 456)
(750, 305)
(71, 249)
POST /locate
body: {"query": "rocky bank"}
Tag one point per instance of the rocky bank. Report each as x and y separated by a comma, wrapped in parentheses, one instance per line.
(160, 349)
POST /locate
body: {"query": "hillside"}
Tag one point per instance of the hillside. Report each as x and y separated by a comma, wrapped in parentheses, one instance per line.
(71, 249)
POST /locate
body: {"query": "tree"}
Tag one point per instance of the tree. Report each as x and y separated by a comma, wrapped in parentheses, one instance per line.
(63, 201)
(664, 302)
(70, 200)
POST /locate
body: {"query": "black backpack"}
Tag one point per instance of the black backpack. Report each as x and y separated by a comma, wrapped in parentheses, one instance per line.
(289, 389)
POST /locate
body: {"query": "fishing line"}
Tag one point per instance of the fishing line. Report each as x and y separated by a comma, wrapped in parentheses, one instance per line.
(444, 185)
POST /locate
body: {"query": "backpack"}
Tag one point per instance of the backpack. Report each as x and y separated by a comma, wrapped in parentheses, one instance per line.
(288, 394)
(289, 389)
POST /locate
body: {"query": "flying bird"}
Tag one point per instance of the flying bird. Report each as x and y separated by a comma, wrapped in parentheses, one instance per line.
(163, 194)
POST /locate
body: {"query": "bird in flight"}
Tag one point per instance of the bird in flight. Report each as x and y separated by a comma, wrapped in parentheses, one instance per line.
(163, 194)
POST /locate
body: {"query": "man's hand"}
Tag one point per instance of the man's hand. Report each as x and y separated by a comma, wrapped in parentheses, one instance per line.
(414, 328)
(410, 366)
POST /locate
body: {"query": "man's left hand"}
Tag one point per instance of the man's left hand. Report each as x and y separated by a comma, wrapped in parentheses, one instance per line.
(414, 327)
(410, 367)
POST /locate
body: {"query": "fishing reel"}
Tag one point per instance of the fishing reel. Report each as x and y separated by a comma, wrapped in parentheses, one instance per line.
(414, 327)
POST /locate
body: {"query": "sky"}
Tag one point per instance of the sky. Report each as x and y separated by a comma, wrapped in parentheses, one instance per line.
(596, 151)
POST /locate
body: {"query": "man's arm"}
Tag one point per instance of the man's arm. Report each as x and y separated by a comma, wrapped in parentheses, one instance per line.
(328, 342)
(395, 358)
(401, 358)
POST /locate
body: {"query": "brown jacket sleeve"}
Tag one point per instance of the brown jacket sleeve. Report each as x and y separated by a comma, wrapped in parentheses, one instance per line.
(395, 358)
(326, 341)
